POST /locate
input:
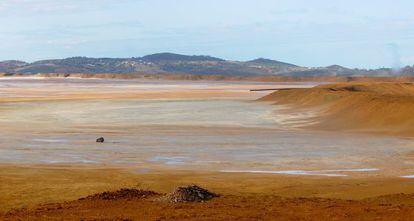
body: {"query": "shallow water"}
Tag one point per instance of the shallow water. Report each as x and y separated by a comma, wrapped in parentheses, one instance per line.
(329, 173)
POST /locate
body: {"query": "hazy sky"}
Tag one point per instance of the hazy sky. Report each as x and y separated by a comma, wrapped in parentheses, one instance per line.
(354, 33)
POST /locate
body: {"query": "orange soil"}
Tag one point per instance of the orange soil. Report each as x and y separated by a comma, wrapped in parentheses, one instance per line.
(243, 196)
(374, 107)
(47, 193)
(227, 207)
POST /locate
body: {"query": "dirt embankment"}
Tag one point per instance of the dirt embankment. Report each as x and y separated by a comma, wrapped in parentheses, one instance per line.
(372, 107)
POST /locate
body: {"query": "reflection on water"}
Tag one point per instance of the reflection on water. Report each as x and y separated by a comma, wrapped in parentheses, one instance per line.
(169, 160)
(192, 134)
(330, 173)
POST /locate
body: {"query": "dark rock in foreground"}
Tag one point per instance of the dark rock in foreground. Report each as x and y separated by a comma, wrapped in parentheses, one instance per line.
(190, 194)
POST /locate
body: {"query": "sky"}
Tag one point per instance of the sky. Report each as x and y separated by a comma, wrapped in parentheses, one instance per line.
(352, 33)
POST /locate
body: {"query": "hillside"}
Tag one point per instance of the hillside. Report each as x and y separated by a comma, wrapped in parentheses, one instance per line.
(185, 64)
(151, 64)
(6, 66)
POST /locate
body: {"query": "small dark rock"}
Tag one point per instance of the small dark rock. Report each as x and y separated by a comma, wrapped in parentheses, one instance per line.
(100, 140)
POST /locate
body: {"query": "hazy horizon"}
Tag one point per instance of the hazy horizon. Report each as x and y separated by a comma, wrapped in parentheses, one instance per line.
(369, 34)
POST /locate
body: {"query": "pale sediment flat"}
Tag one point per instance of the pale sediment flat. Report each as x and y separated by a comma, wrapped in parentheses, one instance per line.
(180, 125)
(164, 134)
(39, 89)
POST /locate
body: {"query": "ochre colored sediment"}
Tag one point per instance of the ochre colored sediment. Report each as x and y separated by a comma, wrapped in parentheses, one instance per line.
(372, 107)
(242, 196)
(46, 192)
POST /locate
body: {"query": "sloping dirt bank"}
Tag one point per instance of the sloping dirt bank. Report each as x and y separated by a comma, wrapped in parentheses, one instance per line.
(372, 107)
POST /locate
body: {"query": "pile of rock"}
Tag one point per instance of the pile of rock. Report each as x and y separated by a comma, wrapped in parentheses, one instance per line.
(191, 193)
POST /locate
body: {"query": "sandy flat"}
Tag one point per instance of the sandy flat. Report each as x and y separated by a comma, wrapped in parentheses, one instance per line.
(41, 89)
(162, 134)
(261, 196)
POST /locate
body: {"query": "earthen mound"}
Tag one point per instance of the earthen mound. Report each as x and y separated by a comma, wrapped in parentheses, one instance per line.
(191, 193)
(123, 193)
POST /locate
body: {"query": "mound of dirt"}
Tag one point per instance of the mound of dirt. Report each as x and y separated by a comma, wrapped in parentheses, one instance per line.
(375, 88)
(372, 107)
(123, 193)
(192, 193)
(351, 88)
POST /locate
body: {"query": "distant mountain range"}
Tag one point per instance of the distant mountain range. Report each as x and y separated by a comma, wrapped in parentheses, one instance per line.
(184, 64)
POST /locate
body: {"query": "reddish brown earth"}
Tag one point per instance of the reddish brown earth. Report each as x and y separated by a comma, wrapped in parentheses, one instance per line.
(70, 193)
(36, 192)
(227, 207)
